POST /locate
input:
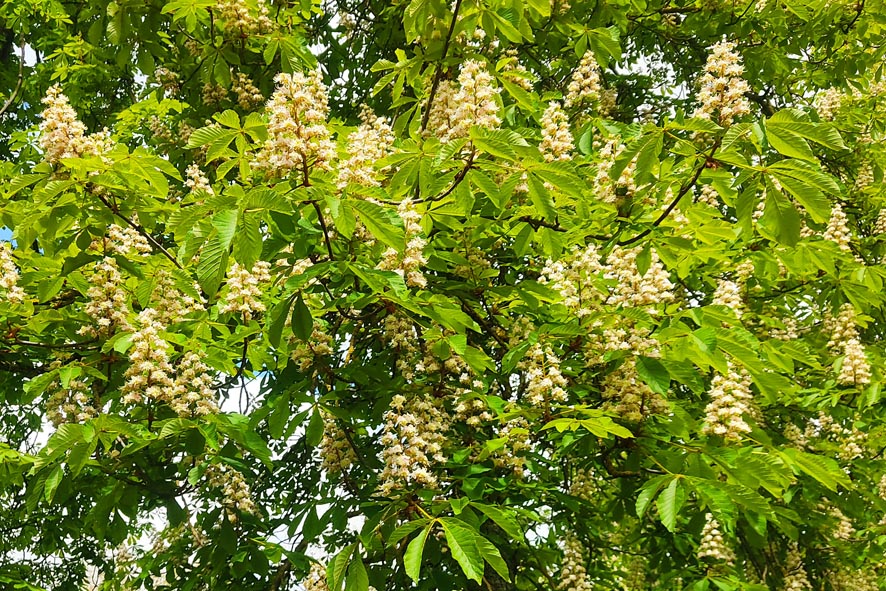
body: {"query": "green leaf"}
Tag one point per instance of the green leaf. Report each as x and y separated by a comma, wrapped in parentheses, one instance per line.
(491, 555)
(52, 481)
(381, 222)
(654, 374)
(412, 557)
(648, 492)
(212, 265)
(669, 503)
(277, 320)
(357, 579)
(502, 519)
(302, 319)
(541, 199)
(461, 540)
(335, 571)
(225, 222)
(824, 470)
(404, 529)
(314, 431)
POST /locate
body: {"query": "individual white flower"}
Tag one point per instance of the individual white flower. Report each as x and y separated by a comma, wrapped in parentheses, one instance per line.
(63, 135)
(827, 103)
(795, 577)
(855, 369)
(248, 95)
(471, 102)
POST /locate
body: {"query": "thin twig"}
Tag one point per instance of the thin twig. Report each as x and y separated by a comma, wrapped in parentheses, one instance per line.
(19, 79)
(673, 204)
(138, 228)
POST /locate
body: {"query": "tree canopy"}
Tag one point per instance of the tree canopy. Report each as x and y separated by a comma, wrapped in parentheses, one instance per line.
(553, 295)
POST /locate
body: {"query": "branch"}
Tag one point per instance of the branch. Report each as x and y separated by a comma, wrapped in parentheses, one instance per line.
(138, 228)
(18, 82)
(683, 190)
(439, 72)
(325, 229)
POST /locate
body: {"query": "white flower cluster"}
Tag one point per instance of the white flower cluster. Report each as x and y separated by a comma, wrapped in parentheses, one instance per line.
(192, 393)
(234, 488)
(731, 400)
(583, 485)
(852, 579)
(126, 241)
(728, 293)
(713, 545)
(795, 577)
(297, 134)
(248, 95)
(790, 332)
(305, 353)
(213, 94)
(316, 579)
(9, 276)
(584, 87)
(573, 279)
(515, 433)
(631, 289)
(63, 135)
(149, 372)
(516, 72)
(556, 139)
(107, 299)
(73, 404)
(605, 188)
(838, 229)
(849, 440)
(827, 103)
(573, 574)
(400, 334)
(471, 102)
(709, 196)
(171, 303)
(413, 440)
(410, 263)
(239, 19)
(865, 176)
(843, 529)
(545, 385)
(167, 79)
(244, 289)
(372, 141)
(196, 180)
(722, 93)
(334, 448)
(855, 369)
(472, 411)
(628, 396)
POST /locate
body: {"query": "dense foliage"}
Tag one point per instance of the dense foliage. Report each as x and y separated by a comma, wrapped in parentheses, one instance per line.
(555, 295)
